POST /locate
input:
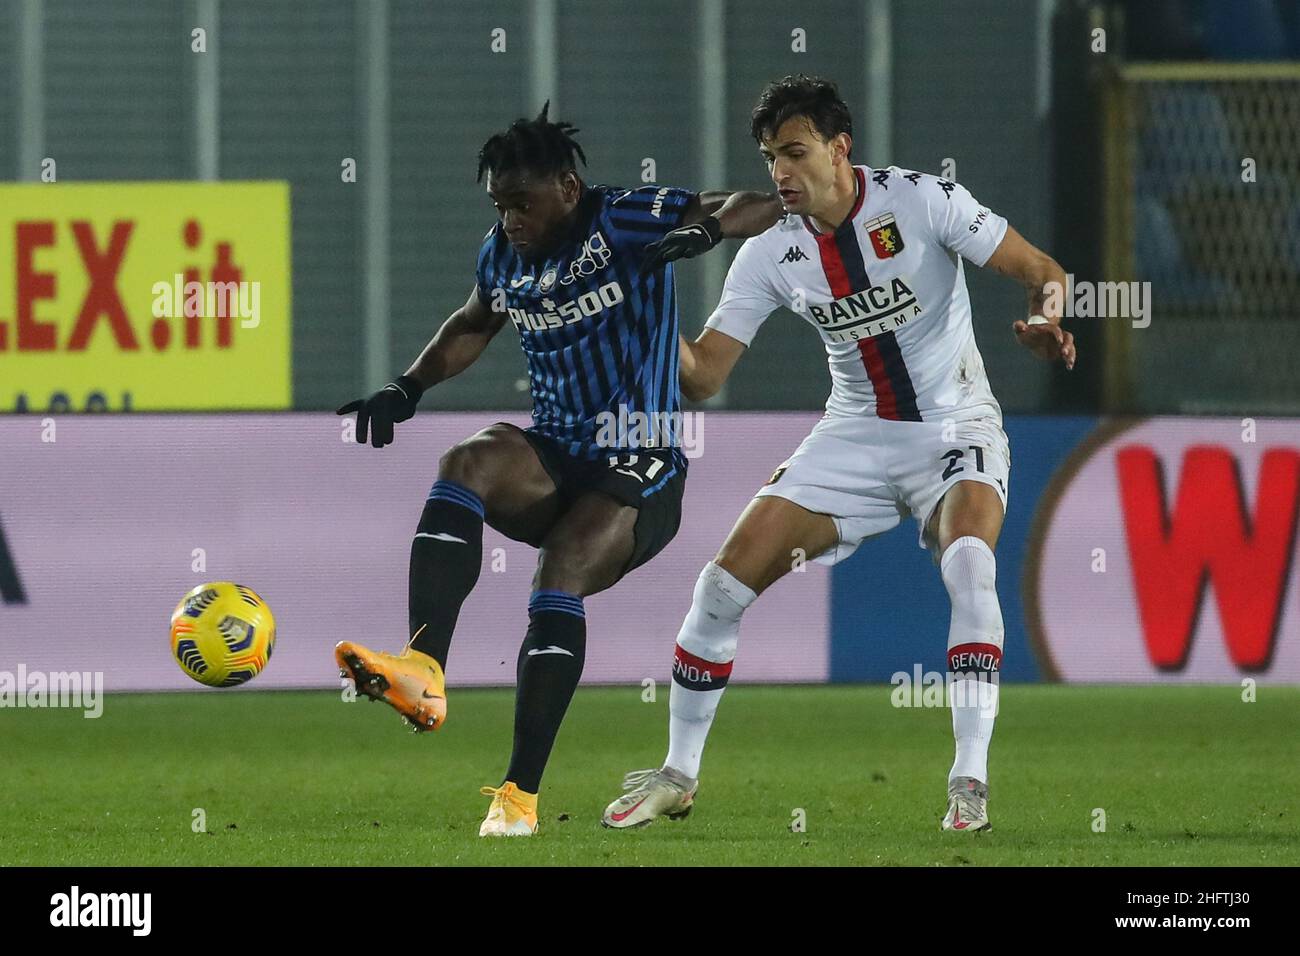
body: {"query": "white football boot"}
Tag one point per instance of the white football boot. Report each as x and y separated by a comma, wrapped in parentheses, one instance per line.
(651, 793)
(968, 805)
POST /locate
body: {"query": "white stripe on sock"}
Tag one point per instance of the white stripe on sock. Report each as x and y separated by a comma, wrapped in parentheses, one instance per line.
(441, 536)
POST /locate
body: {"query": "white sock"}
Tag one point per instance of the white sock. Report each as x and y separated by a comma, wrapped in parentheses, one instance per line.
(706, 646)
(975, 637)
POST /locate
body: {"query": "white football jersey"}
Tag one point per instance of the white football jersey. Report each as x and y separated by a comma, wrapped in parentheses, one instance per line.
(886, 292)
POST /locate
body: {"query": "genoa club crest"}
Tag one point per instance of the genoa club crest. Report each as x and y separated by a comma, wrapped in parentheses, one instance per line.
(885, 237)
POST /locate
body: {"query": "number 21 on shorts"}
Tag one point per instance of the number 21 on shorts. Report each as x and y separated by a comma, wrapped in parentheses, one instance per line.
(954, 455)
(642, 468)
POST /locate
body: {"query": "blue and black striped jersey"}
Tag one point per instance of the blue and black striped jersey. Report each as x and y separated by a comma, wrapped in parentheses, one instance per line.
(600, 339)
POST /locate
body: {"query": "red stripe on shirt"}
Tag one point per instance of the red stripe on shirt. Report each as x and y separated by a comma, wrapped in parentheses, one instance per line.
(886, 397)
(838, 279)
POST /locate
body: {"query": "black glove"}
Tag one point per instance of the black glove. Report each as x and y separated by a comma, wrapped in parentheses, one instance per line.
(395, 402)
(685, 242)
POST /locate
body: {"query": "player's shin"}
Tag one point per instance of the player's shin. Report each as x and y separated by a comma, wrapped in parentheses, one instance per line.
(550, 665)
(975, 639)
(446, 555)
(706, 646)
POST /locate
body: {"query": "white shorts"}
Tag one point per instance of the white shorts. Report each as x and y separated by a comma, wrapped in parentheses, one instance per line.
(869, 473)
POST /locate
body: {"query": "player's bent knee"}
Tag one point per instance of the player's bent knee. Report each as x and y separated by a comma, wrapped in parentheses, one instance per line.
(748, 558)
(755, 567)
(970, 508)
(462, 464)
(712, 626)
(554, 576)
(573, 574)
(578, 565)
(471, 462)
(773, 537)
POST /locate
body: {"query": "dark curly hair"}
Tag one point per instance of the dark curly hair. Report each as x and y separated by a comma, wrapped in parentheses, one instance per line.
(815, 98)
(537, 145)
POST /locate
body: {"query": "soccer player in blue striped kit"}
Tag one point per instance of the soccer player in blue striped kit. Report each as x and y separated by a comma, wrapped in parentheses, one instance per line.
(584, 273)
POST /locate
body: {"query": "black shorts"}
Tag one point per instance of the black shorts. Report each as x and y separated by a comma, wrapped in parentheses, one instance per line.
(652, 481)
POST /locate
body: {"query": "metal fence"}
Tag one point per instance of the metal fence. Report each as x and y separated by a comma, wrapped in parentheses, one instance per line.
(288, 89)
(1202, 206)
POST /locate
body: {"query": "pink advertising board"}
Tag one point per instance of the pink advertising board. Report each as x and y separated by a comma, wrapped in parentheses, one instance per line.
(105, 524)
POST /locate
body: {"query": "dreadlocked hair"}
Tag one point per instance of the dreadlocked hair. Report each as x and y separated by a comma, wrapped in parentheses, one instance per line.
(537, 145)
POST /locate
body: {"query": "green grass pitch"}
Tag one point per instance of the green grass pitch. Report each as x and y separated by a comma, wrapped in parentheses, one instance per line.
(1185, 776)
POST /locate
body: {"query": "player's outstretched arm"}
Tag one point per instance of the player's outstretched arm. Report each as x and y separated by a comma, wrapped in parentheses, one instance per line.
(1038, 273)
(459, 343)
(711, 217)
(740, 215)
(454, 348)
(706, 363)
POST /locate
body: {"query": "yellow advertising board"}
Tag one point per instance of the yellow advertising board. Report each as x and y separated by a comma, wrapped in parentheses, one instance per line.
(144, 296)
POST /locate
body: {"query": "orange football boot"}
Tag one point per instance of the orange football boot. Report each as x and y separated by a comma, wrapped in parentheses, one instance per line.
(411, 682)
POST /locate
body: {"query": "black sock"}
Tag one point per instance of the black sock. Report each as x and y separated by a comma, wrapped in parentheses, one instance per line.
(550, 663)
(446, 556)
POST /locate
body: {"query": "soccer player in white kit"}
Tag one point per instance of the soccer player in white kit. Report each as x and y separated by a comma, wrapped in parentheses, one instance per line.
(872, 258)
